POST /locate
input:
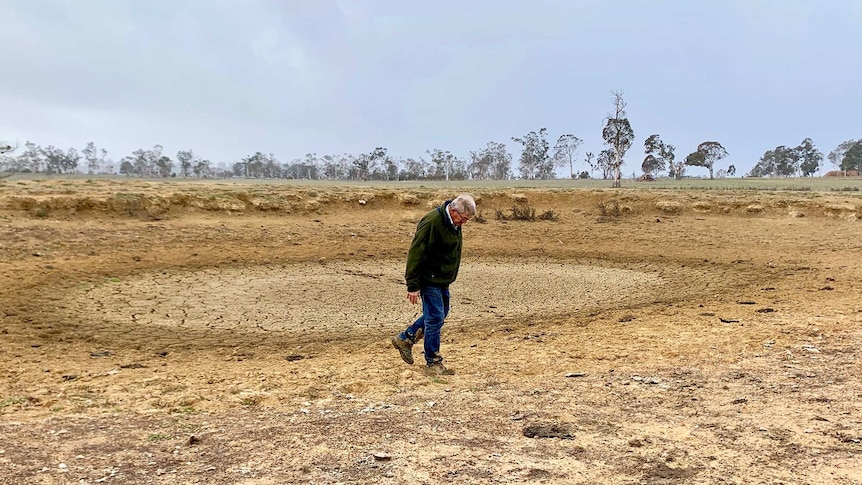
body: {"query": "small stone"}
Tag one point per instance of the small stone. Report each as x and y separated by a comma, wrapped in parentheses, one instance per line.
(576, 374)
(62, 466)
(380, 456)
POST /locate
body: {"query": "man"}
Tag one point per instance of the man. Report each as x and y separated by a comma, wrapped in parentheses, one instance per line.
(432, 265)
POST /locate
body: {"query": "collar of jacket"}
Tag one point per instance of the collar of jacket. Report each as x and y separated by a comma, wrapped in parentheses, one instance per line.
(447, 218)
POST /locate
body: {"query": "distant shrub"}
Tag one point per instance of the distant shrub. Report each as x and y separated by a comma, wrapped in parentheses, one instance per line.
(549, 215)
(523, 213)
(517, 213)
(610, 209)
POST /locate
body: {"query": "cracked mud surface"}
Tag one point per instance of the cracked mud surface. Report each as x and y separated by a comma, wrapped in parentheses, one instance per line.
(232, 333)
(348, 297)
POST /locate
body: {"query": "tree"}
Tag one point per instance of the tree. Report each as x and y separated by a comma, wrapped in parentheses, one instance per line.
(379, 160)
(836, 156)
(391, 167)
(94, 157)
(366, 163)
(309, 167)
(651, 165)
(446, 166)
(186, 159)
(605, 162)
(492, 162)
(202, 168)
(731, 170)
(7, 163)
(335, 167)
(534, 161)
(588, 158)
(164, 166)
(412, 169)
(71, 160)
(706, 155)
(272, 167)
(810, 158)
(853, 158)
(664, 155)
(32, 158)
(565, 151)
(53, 159)
(765, 167)
(783, 161)
(618, 135)
(786, 161)
(127, 166)
(260, 165)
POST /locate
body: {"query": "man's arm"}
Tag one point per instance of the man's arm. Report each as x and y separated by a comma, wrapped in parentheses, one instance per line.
(416, 254)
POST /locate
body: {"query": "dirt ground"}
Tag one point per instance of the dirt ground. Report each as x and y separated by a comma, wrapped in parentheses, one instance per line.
(229, 333)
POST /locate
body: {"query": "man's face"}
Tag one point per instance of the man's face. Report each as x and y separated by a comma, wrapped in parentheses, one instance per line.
(457, 218)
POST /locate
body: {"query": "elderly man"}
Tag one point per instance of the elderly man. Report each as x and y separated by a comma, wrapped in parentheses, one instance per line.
(432, 265)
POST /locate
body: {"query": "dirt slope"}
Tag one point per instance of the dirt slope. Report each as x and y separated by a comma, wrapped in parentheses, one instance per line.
(238, 333)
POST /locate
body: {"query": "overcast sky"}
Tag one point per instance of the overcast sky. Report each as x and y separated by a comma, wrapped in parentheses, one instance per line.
(231, 77)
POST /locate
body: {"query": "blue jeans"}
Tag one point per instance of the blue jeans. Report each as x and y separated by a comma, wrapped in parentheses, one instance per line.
(435, 308)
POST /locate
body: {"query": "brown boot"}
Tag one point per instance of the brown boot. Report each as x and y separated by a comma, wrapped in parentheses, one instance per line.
(437, 369)
(405, 348)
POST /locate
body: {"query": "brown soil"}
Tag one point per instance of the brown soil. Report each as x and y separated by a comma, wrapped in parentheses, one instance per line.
(238, 333)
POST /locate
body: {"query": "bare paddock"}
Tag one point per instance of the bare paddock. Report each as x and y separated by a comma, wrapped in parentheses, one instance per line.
(194, 333)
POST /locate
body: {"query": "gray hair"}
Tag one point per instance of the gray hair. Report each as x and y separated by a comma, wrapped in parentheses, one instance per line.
(464, 204)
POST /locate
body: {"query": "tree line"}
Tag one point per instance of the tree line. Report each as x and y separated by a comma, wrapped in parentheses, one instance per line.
(537, 160)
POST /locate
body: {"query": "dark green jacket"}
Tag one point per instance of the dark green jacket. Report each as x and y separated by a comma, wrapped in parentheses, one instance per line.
(435, 254)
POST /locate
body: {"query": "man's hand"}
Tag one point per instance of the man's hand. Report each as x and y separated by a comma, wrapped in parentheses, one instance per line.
(413, 297)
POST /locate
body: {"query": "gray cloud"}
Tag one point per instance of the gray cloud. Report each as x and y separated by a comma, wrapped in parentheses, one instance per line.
(231, 77)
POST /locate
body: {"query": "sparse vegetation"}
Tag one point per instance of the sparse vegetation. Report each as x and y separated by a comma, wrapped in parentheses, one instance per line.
(609, 210)
(549, 215)
(517, 213)
(251, 400)
(12, 401)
